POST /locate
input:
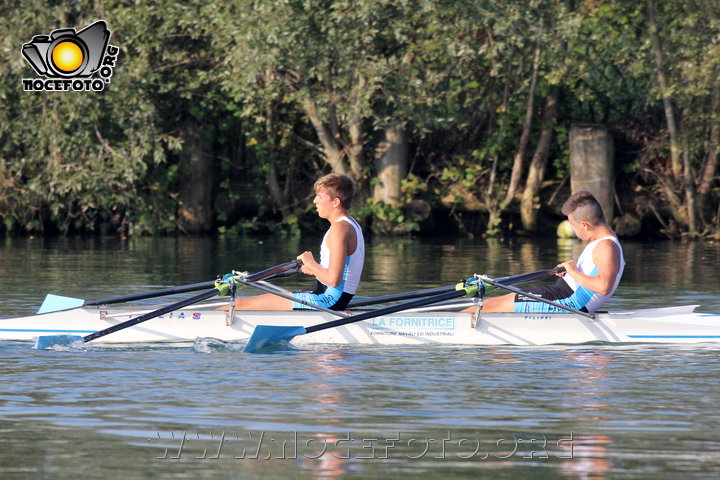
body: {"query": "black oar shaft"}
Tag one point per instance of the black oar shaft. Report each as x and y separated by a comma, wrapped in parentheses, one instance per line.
(283, 268)
(189, 301)
(264, 335)
(388, 310)
(152, 294)
(545, 300)
(432, 299)
(526, 277)
(151, 315)
(396, 297)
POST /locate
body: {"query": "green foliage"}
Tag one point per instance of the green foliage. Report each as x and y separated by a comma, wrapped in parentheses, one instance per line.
(413, 187)
(74, 159)
(261, 79)
(386, 219)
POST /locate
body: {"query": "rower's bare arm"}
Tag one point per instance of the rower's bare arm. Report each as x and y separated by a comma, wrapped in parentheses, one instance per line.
(607, 258)
(337, 243)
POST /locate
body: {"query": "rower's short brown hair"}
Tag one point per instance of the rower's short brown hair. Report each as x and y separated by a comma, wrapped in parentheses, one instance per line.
(337, 185)
(584, 207)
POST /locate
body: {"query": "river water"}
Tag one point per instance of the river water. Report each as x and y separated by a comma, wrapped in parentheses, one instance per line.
(207, 410)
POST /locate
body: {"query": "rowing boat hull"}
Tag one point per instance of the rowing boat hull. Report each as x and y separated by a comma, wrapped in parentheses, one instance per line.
(660, 325)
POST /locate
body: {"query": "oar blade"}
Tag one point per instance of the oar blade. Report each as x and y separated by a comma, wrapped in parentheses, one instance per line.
(46, 342)
(55, 303)
(265, 335)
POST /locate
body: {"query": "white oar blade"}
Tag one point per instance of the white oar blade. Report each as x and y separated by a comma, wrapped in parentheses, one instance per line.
(55, 303)
(48, 341)
(265, 335)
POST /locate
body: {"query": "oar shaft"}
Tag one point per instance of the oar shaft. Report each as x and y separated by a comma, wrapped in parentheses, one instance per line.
(283, 268)
(264, 335)
(396, 297)
(151, 315)
(387, 310)
(293, 299)
(545, 300)
(152, 294)
(526, 277)
(432, 299)
(188, 301)
(529, 277)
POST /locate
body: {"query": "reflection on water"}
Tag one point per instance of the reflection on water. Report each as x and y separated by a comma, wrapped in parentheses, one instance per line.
(633, 411)
(327, 384)
(590, 402)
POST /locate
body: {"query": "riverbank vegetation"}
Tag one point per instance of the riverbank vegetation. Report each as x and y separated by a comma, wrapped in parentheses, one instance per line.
(451, 115)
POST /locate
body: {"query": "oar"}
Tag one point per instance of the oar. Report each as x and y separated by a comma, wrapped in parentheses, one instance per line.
(537, 298)
(47, 341)
(54, 303)
(396, 297)
(43, 342)
(265, 335)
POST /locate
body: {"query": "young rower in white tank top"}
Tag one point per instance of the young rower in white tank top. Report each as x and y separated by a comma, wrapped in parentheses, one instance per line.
(588, 282)
(341, 257)
(336, 297)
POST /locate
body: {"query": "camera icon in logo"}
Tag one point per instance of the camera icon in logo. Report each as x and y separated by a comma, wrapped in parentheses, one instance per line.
(66, 53)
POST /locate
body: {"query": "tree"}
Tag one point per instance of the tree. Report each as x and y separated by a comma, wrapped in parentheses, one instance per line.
(74, 159)
(354, 69)
(210, 100)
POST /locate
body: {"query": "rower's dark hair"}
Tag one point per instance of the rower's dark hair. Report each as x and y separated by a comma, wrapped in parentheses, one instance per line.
(584, 207)
(337, 185)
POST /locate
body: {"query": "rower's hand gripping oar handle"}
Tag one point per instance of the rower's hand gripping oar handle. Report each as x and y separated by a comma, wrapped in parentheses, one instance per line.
(496, 283)
(264, 335)
(466, 288)
(426, 292)
(471, 287)
(222, 287)
(282, 270)
(484, 284)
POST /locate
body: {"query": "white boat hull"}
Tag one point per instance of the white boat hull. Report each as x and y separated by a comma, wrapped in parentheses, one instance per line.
(660, 325)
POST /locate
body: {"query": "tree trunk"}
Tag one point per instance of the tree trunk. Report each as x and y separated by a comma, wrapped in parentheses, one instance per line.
(528, 210)
(689, 190)
(334, 155)
(355, 149)
(194, 211)
(592, 164)
(357, 133)
(391, 166)
(271, 176)
(518, 160)
(348, 158)
(711, 162)
(675, 159)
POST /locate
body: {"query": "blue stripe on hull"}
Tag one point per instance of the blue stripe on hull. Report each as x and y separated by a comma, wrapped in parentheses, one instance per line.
(42, 330)
(673, 336)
